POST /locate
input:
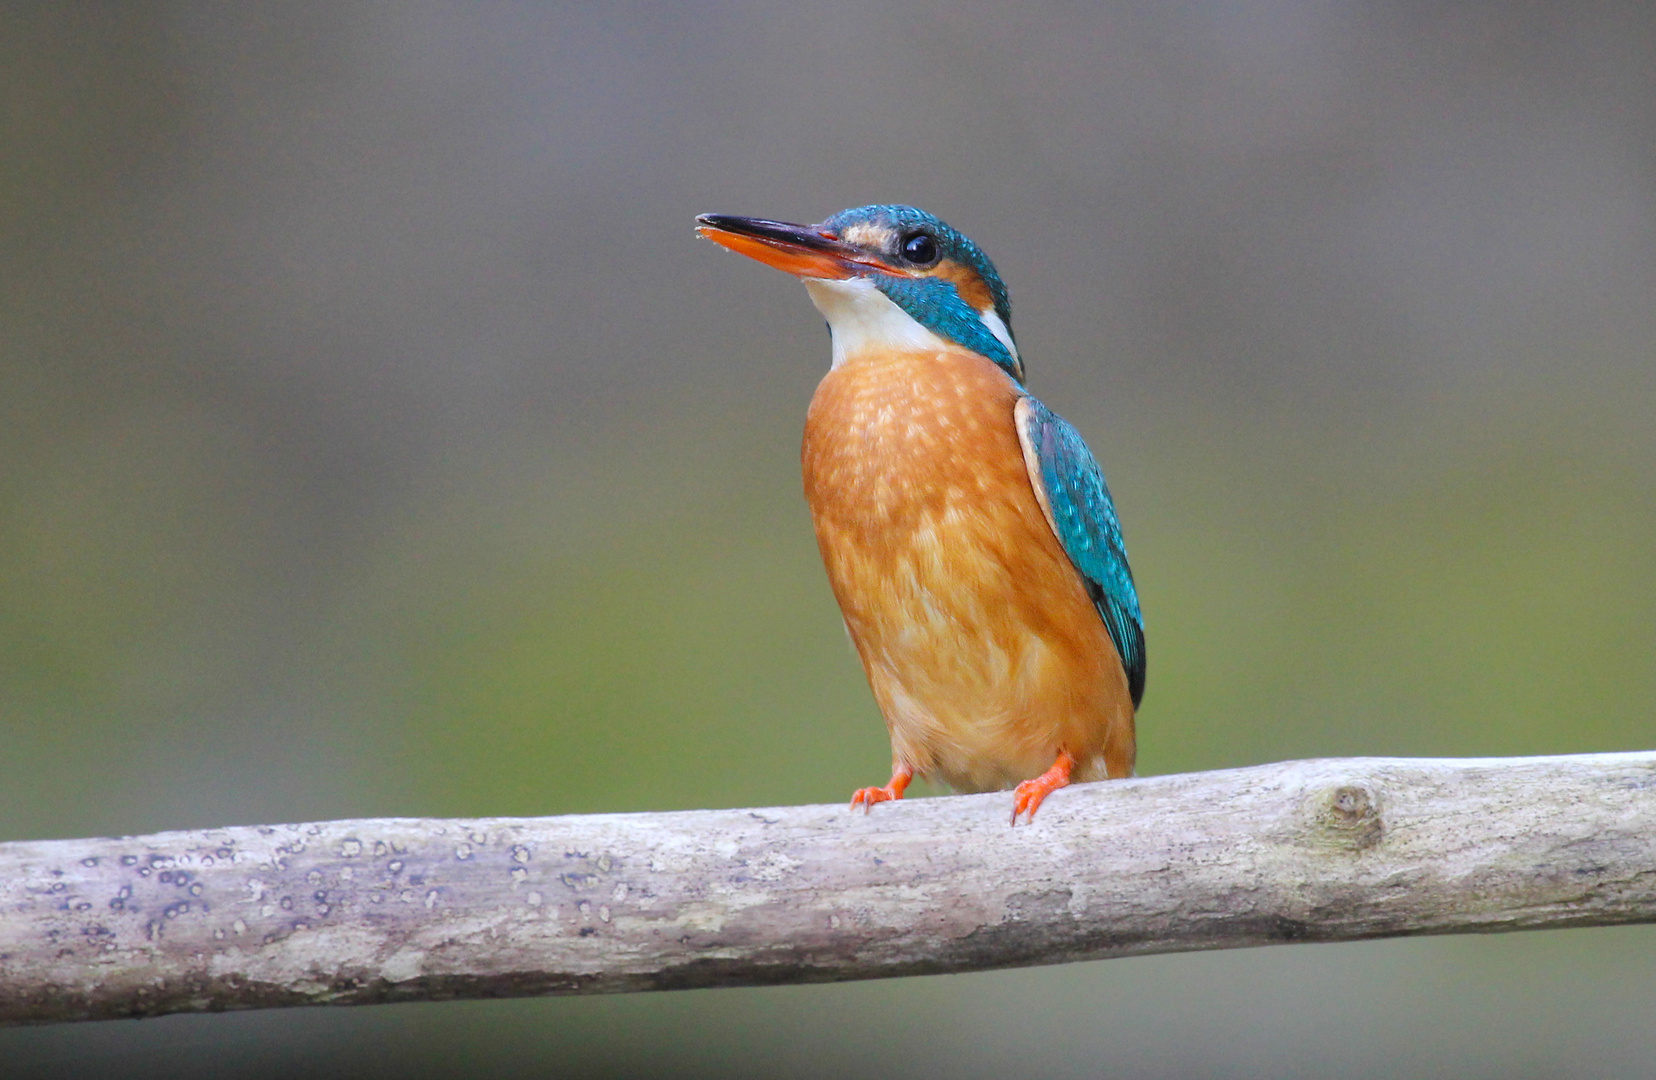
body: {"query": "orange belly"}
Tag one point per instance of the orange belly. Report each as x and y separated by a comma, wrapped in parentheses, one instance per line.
(980, 643)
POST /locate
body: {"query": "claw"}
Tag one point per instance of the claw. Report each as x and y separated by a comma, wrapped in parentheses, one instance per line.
(868, 796)
(1026, 799)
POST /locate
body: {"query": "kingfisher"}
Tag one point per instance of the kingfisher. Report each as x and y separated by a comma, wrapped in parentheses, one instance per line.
(967, 530)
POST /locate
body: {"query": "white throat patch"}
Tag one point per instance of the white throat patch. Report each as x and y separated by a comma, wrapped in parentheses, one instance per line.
(860, 317)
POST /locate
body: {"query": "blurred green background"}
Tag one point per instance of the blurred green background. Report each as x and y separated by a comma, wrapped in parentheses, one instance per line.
(376, 439)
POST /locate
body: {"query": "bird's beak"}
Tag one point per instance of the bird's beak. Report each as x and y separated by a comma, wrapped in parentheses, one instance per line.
(808, 251)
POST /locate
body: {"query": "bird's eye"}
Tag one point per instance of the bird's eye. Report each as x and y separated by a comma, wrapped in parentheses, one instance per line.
(919, 248)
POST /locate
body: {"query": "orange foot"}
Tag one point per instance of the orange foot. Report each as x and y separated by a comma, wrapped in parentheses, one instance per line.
(1027, 798)
(868, 796)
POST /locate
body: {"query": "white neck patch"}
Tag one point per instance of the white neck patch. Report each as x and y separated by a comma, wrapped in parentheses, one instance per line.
(1002, 332)
(860, 317)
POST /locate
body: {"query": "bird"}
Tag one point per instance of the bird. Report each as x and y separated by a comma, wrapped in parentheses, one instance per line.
(967, 530)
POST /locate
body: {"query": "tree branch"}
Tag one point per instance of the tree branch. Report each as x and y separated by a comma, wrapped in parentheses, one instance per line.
(348, 912)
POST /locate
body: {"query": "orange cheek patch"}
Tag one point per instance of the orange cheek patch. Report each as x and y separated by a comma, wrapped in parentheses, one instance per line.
(798, 261)
(967, 283)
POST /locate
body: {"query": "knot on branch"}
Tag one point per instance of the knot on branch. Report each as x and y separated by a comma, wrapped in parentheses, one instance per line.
(1347, 816)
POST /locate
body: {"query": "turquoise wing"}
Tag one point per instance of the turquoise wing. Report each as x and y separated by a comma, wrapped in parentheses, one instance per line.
(1067, 475)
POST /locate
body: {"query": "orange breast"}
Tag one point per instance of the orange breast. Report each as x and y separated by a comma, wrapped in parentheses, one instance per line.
(980, 643)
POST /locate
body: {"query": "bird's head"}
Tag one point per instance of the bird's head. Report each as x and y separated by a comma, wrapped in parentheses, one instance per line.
(885, 277)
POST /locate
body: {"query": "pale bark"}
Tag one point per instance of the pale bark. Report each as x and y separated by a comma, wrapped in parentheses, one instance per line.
(348, 912)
